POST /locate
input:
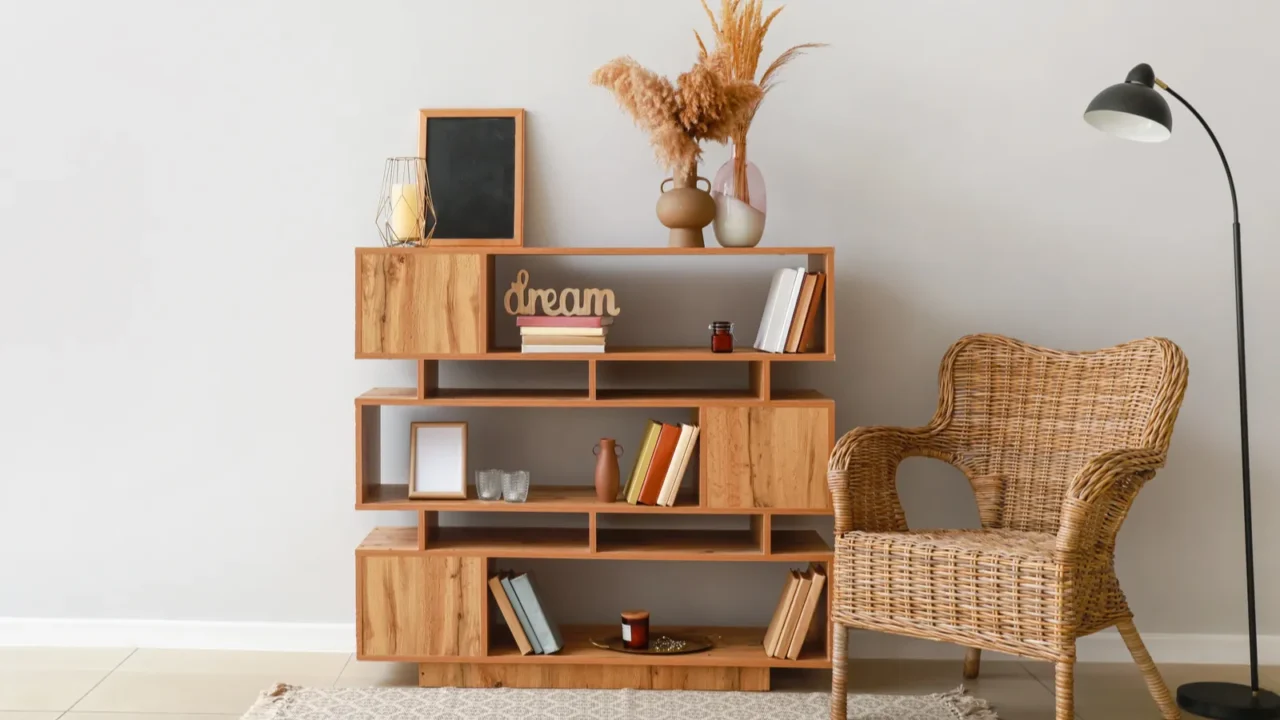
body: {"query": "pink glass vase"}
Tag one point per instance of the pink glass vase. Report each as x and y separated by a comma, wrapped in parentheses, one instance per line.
(738, 190)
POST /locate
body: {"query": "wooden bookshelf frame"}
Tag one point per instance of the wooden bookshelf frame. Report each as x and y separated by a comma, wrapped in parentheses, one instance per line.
(438, 304)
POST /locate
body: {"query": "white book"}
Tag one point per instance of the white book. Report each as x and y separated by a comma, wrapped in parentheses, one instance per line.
(669, 496)
(562, 348)
(546, 629)
(779, 309)
(565, 331)
(521, 615)
(671, 482)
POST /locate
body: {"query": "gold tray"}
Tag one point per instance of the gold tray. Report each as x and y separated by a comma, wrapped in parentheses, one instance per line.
(692, 644)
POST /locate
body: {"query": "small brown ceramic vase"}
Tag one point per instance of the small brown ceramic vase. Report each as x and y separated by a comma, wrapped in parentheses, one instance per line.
(607, 452)
(686, 209)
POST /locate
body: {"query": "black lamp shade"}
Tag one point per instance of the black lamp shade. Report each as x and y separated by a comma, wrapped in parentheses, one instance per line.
(1132, 110)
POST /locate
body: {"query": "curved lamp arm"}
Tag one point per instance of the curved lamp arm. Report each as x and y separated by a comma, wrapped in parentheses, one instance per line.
(1235, 207)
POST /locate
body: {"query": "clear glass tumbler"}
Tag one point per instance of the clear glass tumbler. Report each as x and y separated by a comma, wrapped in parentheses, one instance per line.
(489, 484)
(515, 486)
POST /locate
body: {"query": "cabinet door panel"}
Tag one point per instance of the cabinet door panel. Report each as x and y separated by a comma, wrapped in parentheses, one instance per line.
(767, 457)
(414, 303)
(416, 606)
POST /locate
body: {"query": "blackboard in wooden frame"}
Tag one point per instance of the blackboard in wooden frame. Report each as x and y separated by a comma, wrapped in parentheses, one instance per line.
(475, 161)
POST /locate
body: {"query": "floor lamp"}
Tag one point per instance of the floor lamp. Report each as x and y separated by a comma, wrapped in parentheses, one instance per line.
(1133, 110)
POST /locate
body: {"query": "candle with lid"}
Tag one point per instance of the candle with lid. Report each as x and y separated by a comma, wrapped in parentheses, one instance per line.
(635, 629)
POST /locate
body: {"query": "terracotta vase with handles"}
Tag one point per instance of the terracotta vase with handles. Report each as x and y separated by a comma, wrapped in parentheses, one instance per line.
(607, 452)
(686, 209)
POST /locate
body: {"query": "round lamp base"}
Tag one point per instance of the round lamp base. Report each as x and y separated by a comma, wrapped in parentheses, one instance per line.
(1228, 701)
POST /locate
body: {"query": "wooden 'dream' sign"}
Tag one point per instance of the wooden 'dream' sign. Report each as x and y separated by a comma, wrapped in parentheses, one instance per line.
(569, 301)
(475, 163)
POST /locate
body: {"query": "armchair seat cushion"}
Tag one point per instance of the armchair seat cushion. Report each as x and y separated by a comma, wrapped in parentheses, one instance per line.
(995, 589)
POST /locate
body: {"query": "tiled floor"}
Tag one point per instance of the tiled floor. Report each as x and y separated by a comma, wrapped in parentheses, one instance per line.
(126, 684)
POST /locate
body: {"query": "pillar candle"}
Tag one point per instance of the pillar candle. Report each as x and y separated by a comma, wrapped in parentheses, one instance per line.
(406, 211)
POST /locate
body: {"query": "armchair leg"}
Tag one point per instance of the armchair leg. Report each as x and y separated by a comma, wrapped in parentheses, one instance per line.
(972, 662)
(1155, 683)
(839, 665)
(1064, 690)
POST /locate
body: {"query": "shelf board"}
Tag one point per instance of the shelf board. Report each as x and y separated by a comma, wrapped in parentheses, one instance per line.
(733, 647)
(583, 251)
(511, 397)
(799, 546)
(611, 544)
(549, 499)
(517, 542)
(638, 354)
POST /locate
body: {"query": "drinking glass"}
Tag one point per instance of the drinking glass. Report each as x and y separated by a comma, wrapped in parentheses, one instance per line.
(515, 486)
(489, 484)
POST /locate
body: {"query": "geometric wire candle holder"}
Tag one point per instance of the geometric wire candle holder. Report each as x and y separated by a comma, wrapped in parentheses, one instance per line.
(406, 215)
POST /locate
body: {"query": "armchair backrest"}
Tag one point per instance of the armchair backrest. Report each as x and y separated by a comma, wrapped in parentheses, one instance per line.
(1032, 417)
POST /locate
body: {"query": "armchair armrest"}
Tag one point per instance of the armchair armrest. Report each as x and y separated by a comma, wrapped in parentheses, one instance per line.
(1099, 497)
(862, 472)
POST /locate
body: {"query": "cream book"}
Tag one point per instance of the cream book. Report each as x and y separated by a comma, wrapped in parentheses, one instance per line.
(679, 463)
(564, 331)
(562, 348)
(807, 611)
(793, 614)
(780, 613)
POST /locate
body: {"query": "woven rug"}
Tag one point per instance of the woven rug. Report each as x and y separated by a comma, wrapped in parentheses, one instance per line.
(286, 702)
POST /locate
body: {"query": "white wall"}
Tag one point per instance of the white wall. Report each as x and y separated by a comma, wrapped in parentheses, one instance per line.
(181, 185)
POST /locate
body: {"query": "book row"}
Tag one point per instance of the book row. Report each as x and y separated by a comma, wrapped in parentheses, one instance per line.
(547, 334)
(665, 451)
(795, 612)
(525, 615)
(791, 312)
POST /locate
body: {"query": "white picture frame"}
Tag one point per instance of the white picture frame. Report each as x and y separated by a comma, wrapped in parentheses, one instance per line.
(437, 460)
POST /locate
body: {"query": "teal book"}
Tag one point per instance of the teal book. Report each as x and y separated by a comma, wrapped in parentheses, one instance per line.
(547, 630)
(520, 613)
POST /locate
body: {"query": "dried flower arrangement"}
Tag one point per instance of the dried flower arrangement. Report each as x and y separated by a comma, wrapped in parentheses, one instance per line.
(705, 103)
(739, 36)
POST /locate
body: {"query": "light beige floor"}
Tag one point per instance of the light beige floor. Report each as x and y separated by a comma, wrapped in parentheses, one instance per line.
(128, 684)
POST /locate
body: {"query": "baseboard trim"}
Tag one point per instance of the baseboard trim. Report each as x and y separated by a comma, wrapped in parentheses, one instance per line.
(178, 634)
(1106, 646)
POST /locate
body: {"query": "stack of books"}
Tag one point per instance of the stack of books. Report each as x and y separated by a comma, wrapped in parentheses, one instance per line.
(794, 614)
(664, 455)
(791, 314)
(526, 616)
(548, 334)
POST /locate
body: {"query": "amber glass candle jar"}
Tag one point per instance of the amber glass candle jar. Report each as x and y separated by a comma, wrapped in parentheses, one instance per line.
(635, 629)
(721, 336)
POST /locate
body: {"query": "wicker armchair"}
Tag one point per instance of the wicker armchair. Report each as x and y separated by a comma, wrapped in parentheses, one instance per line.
(1056, 446)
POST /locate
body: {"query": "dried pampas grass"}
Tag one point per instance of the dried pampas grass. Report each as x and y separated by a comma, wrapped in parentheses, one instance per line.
(703, 104)
(739, 34)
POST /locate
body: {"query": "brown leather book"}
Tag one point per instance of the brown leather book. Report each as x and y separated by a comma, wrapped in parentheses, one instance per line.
(812, 326)
(657, 471)
(509, 615)
(802, 311)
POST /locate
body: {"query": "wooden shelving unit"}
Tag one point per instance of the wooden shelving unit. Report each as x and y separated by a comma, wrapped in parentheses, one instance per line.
(421, 592)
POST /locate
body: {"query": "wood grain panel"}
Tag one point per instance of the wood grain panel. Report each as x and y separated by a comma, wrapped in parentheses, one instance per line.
(413, 303)
(415, 606)
(606, 677)
(767, 457)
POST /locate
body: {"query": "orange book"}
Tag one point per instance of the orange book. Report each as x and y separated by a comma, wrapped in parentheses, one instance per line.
(662, 452)
(802, 311)
(809, 336)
